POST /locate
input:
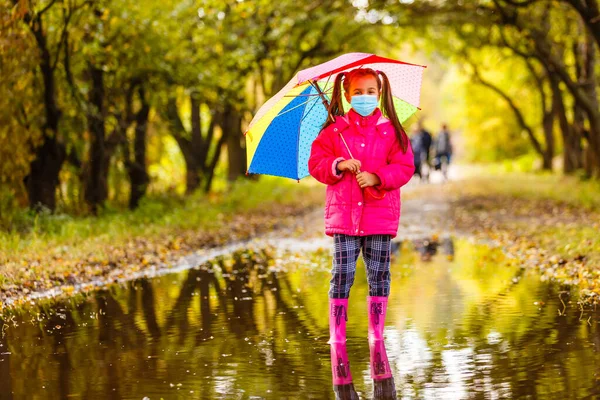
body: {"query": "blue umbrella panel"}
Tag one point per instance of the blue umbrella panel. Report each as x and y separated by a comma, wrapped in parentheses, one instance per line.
(284, 148)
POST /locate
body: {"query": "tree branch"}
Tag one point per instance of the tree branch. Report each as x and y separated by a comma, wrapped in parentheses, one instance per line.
(520, 118)
(40, 13)
(555, 65)
(539, 83)
(63, 36)
(524, 3)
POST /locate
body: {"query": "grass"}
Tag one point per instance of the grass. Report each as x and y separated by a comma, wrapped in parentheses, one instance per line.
(572, 242)
(569, 190)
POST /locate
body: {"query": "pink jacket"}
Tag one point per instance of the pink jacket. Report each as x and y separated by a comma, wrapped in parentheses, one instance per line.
(372, 140)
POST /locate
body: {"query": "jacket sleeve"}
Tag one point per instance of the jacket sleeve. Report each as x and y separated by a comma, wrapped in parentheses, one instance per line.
(323, 160)
(399, 170)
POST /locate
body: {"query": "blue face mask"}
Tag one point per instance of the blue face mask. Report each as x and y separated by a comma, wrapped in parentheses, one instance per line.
(364, 104)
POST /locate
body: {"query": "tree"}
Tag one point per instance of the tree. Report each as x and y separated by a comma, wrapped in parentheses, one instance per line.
(584, 96)
(542, 32)
(258, 46)
(21, 110)
(50, 152)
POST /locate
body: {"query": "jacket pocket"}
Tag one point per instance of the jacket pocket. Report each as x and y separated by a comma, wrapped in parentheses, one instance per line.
(383, 202)
(391, 201)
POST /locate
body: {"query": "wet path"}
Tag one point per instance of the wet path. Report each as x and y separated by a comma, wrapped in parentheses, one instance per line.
(253, 325)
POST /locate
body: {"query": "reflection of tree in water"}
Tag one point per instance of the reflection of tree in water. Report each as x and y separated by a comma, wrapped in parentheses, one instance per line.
(119, 334)
(60, 349)
(247, 277)
(239, 290)
(100, 347)
(5, 381)
(114, 324)
(545, 351)
(548, 354)
(148, 305)
(227, 289)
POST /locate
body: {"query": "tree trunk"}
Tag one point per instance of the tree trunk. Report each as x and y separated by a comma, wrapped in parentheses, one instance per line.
(587, 79)
(236, 152)
(112, 142)
(589, 11)
(96, 185)
(197, 150)
(43, 178)
(193, 161)
(192, 178)
(585, 94)
(193, 145)
(209, 169)
(573, 157)
(197, 142)
(548, 156)
(138, 174)
(591, 162)
(573, 134)
(102, 147)
(573, 152)
(547, 116)
(570, 139)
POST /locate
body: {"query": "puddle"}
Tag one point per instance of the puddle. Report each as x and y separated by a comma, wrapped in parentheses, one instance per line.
(462, 323)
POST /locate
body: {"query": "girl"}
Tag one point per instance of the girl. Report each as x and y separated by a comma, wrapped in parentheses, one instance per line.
(363, 158)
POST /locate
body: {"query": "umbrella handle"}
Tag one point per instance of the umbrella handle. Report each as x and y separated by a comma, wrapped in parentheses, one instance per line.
(371, 191)
(346, 144)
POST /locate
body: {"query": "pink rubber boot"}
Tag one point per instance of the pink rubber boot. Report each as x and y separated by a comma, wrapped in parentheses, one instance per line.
(340, 367)
(380, 367)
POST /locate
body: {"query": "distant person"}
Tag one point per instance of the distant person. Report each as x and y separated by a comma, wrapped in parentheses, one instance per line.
(427, 141)
(443, 151)
(416, 142)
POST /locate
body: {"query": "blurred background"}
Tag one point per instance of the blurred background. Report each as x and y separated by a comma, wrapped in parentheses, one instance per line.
(106, 103)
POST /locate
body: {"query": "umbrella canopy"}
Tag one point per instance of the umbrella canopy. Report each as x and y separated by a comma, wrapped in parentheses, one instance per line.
(280, 135)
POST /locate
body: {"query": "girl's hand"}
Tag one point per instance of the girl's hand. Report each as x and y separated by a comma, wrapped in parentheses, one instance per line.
(351, 165)
(366, 179)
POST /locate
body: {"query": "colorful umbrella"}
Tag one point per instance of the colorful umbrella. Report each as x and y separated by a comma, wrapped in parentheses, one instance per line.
(280, 135)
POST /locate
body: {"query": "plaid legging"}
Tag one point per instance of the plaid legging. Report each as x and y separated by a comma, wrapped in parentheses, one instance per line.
(376, 254)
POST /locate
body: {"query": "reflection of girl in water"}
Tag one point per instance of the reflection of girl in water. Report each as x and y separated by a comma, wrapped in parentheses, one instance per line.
(364, 159)
(428, 247)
